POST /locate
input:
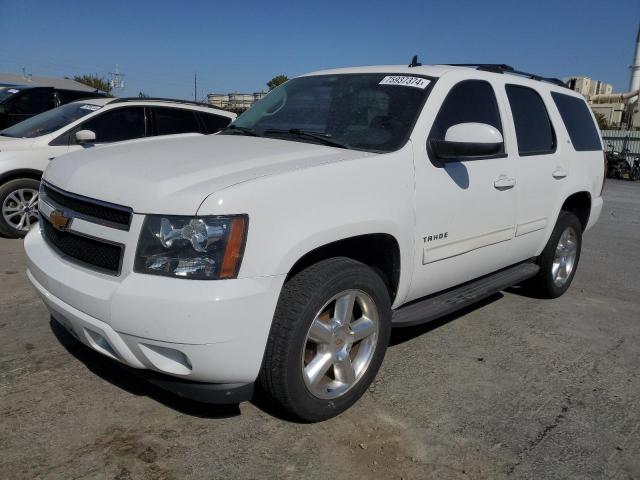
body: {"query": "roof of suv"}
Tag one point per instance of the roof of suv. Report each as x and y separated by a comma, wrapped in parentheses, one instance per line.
(156, 102)
(440, 70)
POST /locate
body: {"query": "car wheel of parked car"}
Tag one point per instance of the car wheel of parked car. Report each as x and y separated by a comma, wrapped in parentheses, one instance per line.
(328, 338)
(19, 203)
(559, 259)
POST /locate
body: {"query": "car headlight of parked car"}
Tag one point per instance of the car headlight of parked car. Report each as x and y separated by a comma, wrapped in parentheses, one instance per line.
(200, 248)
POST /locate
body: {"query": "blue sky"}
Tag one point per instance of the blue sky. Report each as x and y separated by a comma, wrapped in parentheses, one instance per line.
(239, 46)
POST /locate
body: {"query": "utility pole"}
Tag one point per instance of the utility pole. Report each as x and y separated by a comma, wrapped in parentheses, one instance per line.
(116, 81)
(195, 86)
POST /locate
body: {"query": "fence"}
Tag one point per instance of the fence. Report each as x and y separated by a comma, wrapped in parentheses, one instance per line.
(622, 139)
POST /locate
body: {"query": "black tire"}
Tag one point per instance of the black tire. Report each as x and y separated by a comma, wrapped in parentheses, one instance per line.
(7, 228)
(635, 174)
(302, 297)
(543, 285)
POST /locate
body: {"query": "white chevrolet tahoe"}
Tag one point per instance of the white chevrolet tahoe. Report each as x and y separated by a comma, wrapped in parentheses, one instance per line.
(280, 252)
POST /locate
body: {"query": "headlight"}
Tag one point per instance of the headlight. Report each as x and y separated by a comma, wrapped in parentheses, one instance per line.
(201, 248)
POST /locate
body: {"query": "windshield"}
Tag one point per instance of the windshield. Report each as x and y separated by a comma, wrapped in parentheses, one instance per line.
(6, 91)
(50, 121)
(373, 112)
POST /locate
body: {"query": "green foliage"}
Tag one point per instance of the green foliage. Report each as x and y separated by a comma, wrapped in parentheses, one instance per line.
(94, 81)
(277, 80)
(602, 120)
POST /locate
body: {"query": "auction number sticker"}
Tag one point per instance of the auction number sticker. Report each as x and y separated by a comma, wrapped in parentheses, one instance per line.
(93, 108)
(404, 81)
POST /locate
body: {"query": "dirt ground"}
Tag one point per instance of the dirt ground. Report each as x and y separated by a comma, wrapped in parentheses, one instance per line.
(513, 388)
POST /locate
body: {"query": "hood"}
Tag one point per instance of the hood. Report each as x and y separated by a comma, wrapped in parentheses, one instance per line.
(174, 175)
(10, 143)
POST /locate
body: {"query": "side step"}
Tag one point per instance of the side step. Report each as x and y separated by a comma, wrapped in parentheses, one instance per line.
(435, 306)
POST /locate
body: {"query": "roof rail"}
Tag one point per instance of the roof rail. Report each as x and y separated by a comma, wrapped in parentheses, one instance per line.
(502, 68)
(158, 99)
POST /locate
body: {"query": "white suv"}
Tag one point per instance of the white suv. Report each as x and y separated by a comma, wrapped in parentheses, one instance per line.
(282, 251)
(27, 147)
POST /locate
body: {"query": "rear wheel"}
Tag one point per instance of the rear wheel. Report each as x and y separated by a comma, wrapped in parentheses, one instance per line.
(559, 259)
(328, 339)
(635, 173)
(19, 204)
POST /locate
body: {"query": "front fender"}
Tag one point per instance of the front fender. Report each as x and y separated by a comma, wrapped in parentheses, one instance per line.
(294, 212)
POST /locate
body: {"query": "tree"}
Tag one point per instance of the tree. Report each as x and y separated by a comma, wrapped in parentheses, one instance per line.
(94, 81)
(276, 81)
(603, 124)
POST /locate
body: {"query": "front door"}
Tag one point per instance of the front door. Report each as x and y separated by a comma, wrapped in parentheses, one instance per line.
(465, 210)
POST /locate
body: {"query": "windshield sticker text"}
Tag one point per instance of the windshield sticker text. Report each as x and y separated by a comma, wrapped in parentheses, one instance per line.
(90, 107)
(416, 82)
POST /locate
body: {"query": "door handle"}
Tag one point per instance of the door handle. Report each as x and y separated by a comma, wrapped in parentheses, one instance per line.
(504, 183)
(50, 158)
(559, 173)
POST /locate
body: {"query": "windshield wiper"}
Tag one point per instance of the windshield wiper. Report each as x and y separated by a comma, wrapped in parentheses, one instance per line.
(322, 137)
(243, 130)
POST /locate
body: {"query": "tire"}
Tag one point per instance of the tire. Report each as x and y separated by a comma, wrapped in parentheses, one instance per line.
(546, 284)
(635, 173)
(291, 352)
(16, 196)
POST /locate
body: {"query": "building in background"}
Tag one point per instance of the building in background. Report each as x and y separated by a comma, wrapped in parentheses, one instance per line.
(587, 86)
(235, 102)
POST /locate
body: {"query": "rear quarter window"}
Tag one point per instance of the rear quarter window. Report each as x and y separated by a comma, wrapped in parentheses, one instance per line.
(579, 122)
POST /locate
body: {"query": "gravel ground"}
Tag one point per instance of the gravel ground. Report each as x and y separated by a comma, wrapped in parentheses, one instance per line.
(515, 387)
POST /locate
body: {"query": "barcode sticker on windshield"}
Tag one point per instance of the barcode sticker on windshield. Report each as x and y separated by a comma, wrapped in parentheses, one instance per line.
(13, 90)
(417, 82)
(90, 107)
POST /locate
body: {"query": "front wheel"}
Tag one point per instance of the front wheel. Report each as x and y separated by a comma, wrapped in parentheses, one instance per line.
(19, 204)
(328, 338)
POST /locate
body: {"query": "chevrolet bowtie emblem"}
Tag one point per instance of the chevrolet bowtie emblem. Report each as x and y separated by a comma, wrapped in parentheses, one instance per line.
(58, 220)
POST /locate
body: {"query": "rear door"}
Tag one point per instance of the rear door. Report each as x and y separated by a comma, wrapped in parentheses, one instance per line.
(542, 167)
(465, 210)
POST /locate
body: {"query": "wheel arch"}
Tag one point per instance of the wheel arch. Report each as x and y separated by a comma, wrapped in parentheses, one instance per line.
(380, 251)
(578, 203)
(20, 173)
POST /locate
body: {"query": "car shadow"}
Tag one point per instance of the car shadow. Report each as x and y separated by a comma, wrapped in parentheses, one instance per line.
(119, 376)
(122, 378)
(400, 335)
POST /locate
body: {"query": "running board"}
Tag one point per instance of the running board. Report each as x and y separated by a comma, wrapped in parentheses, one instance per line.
(435, 306)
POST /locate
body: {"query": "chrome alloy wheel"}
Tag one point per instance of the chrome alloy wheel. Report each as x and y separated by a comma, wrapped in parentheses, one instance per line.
(20, 208)
(565, 257)
(340, 344)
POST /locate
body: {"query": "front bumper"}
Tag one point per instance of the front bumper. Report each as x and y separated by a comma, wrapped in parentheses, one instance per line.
(202, 331)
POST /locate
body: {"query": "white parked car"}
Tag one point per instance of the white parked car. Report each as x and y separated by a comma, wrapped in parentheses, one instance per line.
(284, 249)
(27, 147)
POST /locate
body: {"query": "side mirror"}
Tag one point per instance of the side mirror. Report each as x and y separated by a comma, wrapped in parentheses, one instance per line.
(85, 136)
(467, 141)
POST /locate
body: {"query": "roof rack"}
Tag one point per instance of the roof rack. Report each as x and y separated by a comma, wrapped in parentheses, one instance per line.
(502, 68)
(158, 99)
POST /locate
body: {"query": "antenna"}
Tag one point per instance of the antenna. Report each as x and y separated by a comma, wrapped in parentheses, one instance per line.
(414, 62)
(116, 81)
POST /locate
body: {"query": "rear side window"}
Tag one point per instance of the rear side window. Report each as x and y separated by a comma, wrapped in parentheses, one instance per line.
(214, 123)
(467, 101)
(577, 118)
(534, 131)
(171, 121)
